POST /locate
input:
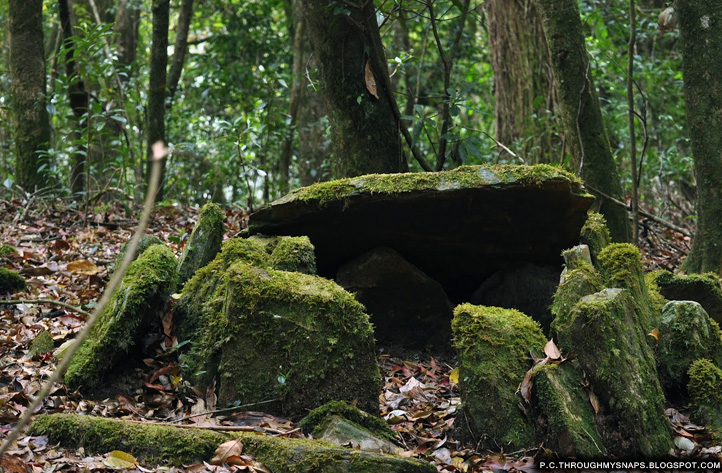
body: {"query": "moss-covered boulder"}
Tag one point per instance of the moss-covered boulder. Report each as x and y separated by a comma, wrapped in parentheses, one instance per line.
(576, 282)
(204, 242)
(565, 421)
(686, 334)
(604, 333)
(705, 390)
(703, 288)
(152, 444)
(269, 335)
(146, 241)
(315, 421)
(132, 310)
(493, 346)
(11, 281)
(621, 266)
(484, 217)
(595, 234)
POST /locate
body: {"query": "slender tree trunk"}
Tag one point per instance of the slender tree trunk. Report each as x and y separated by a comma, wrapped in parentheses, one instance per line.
(700, 25)
(79, 101)
(155, 128)
(523, 80)
(584, 126)
(27, 73)
(181, 46)
(352, 68)
(127, 21)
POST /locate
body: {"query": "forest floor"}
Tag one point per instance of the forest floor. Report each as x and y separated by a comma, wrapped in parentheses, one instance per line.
(67, 255)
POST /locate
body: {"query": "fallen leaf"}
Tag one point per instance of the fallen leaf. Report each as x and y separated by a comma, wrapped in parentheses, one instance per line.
(454, 376)
(227, 450)
(371, 80)
(118, 459)
(526, 386)
(594, 401)
(551, 350)
(83, 266)
(654, 333)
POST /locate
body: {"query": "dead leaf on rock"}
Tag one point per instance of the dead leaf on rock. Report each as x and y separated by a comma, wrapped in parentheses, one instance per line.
(551, 350)
(227, 450)
(526, 386)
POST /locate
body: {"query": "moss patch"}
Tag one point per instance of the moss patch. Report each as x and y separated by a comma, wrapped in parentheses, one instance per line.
(604, 332)
(567, 420)
(11, 281)
(686, 334)
(146, 241)
(156, 443)
(316, 419)
(42, 343)
(286, 336)
(703, 288)
(595, 234)
(204, 242)
(575, 284)
(705, 389)
(132, 310)
(7, 250)
(493, 346)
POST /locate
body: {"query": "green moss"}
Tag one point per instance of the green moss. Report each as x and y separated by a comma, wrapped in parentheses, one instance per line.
(493, 346)
(42, 343)
(293, 254)
(317, 418)
(703, 288)
(686, 334)
(570, 428)
(459, 178)
(160, 443)
(204, 242)
(8, 250)
(705, 390)
(603, 332)
(132, 310)
(657, 300)
(621, 266)
(146, 241)
(575, 284)
(11, 281)
(286, 336)
(595, 234)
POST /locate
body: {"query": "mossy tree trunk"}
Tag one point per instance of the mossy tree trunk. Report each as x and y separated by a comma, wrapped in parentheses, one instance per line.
(523, 80)
(27, 73)
(581, 114)
(157, 84)
(700, 24)
(354, 82)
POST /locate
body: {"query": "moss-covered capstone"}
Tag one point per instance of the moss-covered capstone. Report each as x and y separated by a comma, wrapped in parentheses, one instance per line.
(686, 334)
(603, 331)
(270, 335)
(159, 443)
(595, 234)
(703, 288)
(11, 281)
(565, 419)
(316, 419)
(486, 216)
(705, 390)
(132, 310)
(493, 346)
(621, 266)
(204, 242)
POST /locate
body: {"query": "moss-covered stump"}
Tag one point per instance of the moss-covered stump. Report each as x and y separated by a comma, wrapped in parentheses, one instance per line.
(486, 217)
(265, 334)
(153, 444)
(146, 241)
(705, 390)
(131, 312)
(493, 346)
(686, 334)
(621, 266)
(703, 288)
(11, 281)
(565, 420)
(286, 253)
(604, 333)
(582, 280)
(595, 234)
(204, 242)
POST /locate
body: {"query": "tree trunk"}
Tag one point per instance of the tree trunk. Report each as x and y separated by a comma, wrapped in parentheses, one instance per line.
(523, 80)
(127, 21)
(181, 46)
(27, 72)
(700, 27)
(79, 101)
(156, 84)
(355, 84)
(581, 114)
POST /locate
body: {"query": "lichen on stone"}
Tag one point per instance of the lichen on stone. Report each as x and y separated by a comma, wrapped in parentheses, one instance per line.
(493, 346)
(317, 418)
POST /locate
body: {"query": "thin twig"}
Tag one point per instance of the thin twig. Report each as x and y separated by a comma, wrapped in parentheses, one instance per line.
(227, 409)
(227, 428)
(47, 301)
(158, 155)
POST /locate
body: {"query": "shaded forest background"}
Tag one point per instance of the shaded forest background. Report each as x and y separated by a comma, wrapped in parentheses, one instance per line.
(241, 110)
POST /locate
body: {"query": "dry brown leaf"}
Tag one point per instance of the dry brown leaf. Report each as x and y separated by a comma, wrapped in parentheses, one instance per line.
(371, 80)
(594, 400)
(551, 350)
(227, 450)
(83, 266)
(526, 385)
(654, 333)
